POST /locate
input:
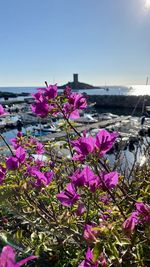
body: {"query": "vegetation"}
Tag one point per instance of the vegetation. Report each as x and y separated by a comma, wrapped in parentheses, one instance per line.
(73, 211)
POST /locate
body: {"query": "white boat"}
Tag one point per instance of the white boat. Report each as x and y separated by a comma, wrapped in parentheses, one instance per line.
(89, 117)
(46, 128)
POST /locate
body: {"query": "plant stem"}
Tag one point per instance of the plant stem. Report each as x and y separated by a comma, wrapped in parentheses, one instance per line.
(7, 144)
(110, 193)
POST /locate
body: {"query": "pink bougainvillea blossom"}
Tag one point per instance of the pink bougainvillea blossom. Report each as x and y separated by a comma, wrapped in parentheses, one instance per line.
(105, 141)
(12, 163)
(108, 180)
(53, 110)
(100, 144)
(75, 103)
(105, 199)
(39, 97)
(103, 260)
(39, 148)
(89, 260)
(89, 234)
(69, 196)
(77, 100)
(2, 174)
(85, 177)
(21, 154)
(7, 258)
(16, 142)
(67, 91)
(143, 211)
(2, 111)
(80, 210)
(51, 91)
(41, 109)
(70, 112)
(77, 178)
(83, 146)
(140, 216)
(82, 177)
(42, 178)
(131, 222)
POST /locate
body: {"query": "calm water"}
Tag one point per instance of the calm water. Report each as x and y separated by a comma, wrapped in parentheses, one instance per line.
(112, 90)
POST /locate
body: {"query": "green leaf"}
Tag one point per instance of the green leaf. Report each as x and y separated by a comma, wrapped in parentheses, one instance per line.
(114, 251)
(97, 251)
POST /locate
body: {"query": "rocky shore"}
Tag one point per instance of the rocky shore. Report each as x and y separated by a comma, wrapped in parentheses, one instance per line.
(7, 95)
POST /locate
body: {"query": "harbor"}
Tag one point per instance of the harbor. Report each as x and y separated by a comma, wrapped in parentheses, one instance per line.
(132, 122)
(132, 131)
(75, 133)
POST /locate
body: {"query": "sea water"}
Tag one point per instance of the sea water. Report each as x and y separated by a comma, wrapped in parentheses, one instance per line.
(110, 90)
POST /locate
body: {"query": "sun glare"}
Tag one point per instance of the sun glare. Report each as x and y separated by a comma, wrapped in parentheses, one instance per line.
(147, 4)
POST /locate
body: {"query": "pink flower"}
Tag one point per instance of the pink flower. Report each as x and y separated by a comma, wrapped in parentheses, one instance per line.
(105, 215)
(77, 100)
(89, 234)
(75, 103)
(83, 146)
(89, 260)
(94, 183)
(82, 177)
(140, 216)
(41, 109)
(7, 258)
(103, 260)
(16, 141)
(77, 178)
(108, 180)
(67, 91)
(53, 110)
(131, 222)
(2, 111)
(80, 210)
(41, 178)
(39, 148)
(70, 111)
(2, 174)
(39, 97)
(88, 175)
(41, 106)
(143, 211)
(69, 196)
(21, 154)
(85, 177)
(105, 141)
(51, 91)
(12, 163)
(105, 199)
(31, 170)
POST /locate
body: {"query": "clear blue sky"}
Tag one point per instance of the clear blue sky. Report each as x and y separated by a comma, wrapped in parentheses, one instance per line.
(102, 40)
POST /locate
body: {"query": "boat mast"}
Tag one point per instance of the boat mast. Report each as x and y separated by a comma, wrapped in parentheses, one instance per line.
(144, 100)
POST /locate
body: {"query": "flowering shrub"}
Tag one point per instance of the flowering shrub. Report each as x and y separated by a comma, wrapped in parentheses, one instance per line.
(7, 258)
(76, 211)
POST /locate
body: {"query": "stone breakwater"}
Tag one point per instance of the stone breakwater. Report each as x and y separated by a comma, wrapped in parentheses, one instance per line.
(119, 101)
(112, 101)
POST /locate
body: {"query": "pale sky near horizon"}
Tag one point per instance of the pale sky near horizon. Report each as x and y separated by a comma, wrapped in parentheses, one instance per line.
(105, 41)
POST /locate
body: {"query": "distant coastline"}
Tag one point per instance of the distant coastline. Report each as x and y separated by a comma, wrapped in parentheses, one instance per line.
(7, 95)
(136, 90)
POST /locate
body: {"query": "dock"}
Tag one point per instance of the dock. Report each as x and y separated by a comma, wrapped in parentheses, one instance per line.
(80, 129)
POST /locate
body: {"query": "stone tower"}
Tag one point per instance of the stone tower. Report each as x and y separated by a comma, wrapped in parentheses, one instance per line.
(75, 78)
